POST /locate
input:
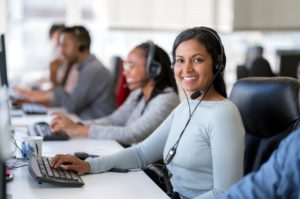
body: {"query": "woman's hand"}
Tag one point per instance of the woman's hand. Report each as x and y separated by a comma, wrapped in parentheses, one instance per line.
(61, 122)
(69, 162)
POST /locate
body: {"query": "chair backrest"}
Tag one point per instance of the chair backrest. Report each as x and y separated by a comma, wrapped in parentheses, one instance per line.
(241, 72)
(121, 90)
(269, 107)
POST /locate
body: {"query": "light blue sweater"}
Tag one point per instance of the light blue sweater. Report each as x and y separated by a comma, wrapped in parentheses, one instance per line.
(209, 157)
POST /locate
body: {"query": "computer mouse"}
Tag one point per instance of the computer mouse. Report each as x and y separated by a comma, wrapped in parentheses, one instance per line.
(84, 155)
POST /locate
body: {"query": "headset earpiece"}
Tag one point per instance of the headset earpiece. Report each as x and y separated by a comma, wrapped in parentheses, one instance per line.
(81, 48)
(153, 67)
(219, 67)
(83, 38)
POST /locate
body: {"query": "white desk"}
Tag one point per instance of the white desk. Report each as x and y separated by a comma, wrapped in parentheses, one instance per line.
(20, 119)
(104, 185)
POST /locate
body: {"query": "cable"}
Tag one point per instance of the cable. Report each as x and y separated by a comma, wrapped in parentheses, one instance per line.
(173, 149)
(11, 163)
(187, 101)
(13, 140)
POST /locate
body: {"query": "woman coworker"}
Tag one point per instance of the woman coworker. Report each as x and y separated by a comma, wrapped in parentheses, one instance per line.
(148, 73)
(202, 140)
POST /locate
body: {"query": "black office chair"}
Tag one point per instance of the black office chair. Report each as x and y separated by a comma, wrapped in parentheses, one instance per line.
(241, 72)
(269, 107)
(121, 91)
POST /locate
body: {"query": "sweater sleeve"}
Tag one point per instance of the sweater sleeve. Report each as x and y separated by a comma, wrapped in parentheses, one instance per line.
(227, 146)
(138, 156)
(119, 116)
(156, 111)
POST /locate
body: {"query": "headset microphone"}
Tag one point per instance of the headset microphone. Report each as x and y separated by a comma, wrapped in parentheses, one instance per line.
(196, 94)
(136, 82)
(199, 92)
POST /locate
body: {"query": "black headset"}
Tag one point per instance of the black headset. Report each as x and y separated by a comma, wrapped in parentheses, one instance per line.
(219, 65)
(153, 67)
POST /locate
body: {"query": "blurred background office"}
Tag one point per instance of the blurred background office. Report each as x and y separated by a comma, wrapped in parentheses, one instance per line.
(117, 25)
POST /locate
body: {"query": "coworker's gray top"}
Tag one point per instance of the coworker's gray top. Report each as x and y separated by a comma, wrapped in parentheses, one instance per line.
(93, 95)
(135, 119)
(209, 157)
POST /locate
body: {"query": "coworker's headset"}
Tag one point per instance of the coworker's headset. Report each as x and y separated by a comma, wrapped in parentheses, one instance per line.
(219, 67)
(83, 37)
(153, 68)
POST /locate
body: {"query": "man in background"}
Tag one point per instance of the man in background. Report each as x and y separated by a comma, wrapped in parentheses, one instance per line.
(57, 66)
(90, 93)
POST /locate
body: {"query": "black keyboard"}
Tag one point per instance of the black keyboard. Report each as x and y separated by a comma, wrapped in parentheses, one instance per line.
(43, 129)
(34, 109)
(40, 169)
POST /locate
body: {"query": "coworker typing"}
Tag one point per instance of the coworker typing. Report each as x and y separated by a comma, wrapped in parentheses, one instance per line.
(153, 97)
(92, 94)
(202, 140)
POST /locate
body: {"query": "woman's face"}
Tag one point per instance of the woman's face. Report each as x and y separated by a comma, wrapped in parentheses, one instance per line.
(193, 66)
(135, 69)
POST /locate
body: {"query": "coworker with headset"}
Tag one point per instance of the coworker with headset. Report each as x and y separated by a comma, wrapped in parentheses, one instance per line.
(202, 140)
(153, 97)
(92, 95)
(57, 65)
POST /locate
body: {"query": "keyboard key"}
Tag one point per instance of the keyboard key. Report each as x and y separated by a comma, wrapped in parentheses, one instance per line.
(68, 175)
(56, 174)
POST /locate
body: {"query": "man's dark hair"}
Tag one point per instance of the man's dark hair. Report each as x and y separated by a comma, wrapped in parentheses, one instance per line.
(54, 28)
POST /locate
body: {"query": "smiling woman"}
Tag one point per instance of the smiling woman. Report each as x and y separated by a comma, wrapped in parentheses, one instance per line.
(200, 61)
(193, 66)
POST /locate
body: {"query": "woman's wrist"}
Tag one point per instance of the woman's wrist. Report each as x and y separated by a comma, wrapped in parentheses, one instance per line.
(82, 130)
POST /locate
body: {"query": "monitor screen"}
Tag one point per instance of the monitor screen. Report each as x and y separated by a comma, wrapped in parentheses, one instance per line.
(2, 180)
(288, 62)
(3, 69)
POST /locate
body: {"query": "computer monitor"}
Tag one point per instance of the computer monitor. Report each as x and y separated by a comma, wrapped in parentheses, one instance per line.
(3, 69)
(5, 133)
(2, 180)
(288, 62)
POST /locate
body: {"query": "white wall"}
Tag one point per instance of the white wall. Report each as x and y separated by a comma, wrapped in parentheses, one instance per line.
(266, 15)
(3, 16)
